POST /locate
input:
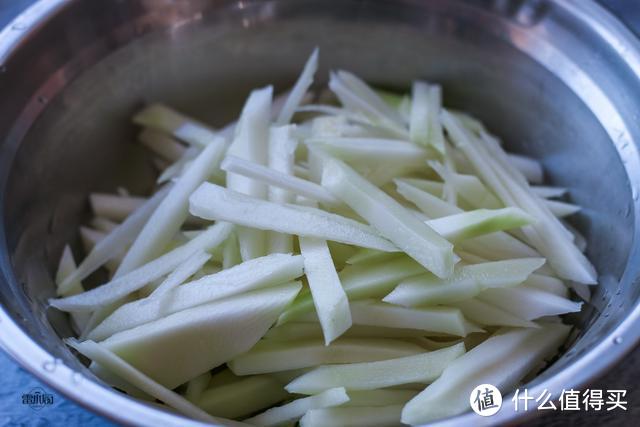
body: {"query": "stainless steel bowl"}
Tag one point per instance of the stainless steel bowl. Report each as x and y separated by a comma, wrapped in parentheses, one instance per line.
(557, 79)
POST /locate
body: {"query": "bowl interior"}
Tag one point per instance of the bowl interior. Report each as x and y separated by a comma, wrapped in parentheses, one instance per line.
(205, 64)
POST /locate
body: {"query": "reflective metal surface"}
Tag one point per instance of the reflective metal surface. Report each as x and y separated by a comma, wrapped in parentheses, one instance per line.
(556, 79)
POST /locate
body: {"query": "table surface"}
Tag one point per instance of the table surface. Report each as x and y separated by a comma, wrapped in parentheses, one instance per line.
(16, 381)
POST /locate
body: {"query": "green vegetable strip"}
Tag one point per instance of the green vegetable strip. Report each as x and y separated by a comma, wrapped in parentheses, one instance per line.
(216, 203)
(548, 235)
(475, 223)
(361, 281)
(435, 320)
(529, 303)
(66, 267)
(377, 398)
(169, 216)
(281, 158)
(312, 330)
(296, 409)
(419, 368)
(498, 245)
(330, 301)
(392, 220)
(356, 96)
(114, 207)
(362, 149)
(467, 282)
(181, 273)
(442, 320)
(251, 143)
(161, 144)
(207, 335)
(258, 273)
(280, 181)
(274, 356)
(111, 361)
(502, 360)
(162, 118)
(364, 416)
(299, 89)
(136, 279)
(483, 313)
(561, 209)
(196, 386)
(243, 397)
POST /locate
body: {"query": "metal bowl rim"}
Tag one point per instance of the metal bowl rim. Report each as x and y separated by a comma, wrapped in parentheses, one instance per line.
(103, 400)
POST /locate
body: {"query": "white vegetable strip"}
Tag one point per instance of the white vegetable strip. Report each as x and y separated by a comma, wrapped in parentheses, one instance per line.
(424, 123)
(120, 367)
(280, 180)
(281, 159)
(330, 300)
(250, 275)
(469, 187)
(351, 122)
(382, 397)
(179, 166)
(530, 168)
(561, 209)
(370, 149)
(103, 224)
(273, 356)
(548, 192)
(299, 90)
(196, 386)
(356, 95)
(222, 378)
(467, 282)
(578, 239)
(90, 239)
(296, 409)
(529, 303)
(548, 284)
(439, 319)
(182, 273)
(114, 207)
(502, 361)
(207, 335)
(392, 220)
(548, 235)
(436, 135)
(162, 118)
(368, 255)
(366, 280)
(161, 144)
(216, 203)
(251, 143)
(66, 267)
(487, 314)
(364, 416)
(231, 252)
(167, 219)
(500, 245)
(419, 368)
(243, 397)
(475, 223)
(312, 330)
(134, 280)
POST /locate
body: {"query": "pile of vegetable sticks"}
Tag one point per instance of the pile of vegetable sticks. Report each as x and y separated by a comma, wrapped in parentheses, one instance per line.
(367, 260)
